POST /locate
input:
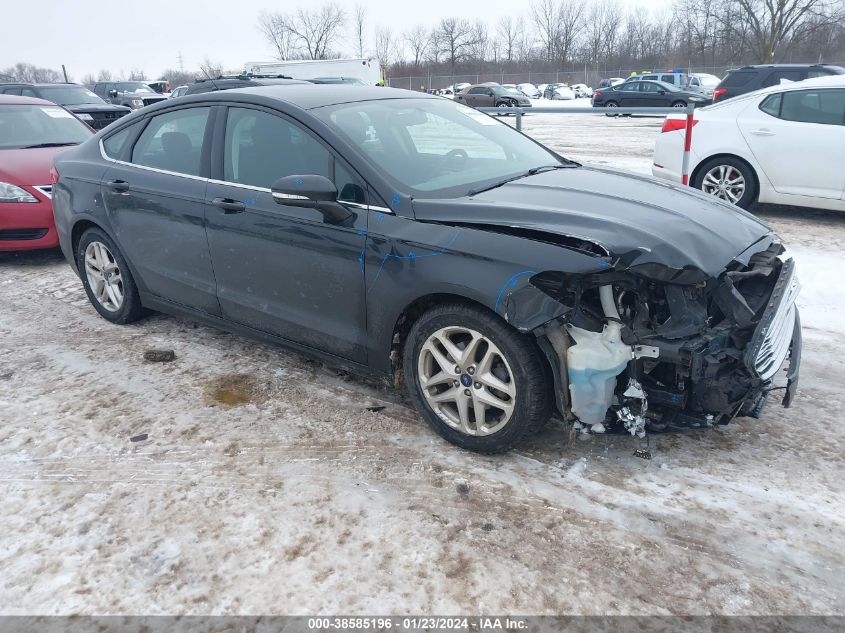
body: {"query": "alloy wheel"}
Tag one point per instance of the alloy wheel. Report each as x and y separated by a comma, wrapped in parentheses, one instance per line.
(466, 380)
(104, 276)
(725, 182)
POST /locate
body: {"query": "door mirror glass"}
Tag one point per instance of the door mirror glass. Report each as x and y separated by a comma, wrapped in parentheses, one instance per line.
(112, 93)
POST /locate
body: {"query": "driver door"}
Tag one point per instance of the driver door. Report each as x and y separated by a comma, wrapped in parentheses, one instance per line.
(282, 269)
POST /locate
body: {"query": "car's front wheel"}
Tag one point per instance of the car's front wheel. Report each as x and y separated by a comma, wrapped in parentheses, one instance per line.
(727, 178)
(107, 279)
(478, 382)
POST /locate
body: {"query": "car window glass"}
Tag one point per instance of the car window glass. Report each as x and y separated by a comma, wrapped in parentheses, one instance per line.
(771, 105)
(349, 188)
(25, 125)
(669, 79)
(173, 141)
(632, 86)
(647, 87)
(817, 73)
(115, 144)
(736, 79)
(261, 147)
(826, 107)
(775, 78)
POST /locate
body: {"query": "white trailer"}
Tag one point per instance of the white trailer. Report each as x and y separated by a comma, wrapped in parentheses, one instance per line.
(367, 70)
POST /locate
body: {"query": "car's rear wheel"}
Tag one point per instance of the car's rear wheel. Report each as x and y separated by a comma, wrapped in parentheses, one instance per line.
(729, 179)
(107, 279)
(679, 104)
(478, 382)
(611, 105)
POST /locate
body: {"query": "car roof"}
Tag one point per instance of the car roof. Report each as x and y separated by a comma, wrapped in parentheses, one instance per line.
(38, 85)
(18, 100)
(308, 95)
(785, 66)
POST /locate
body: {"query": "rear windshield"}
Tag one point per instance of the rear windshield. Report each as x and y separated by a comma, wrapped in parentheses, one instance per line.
(736, 79)
(69, 95)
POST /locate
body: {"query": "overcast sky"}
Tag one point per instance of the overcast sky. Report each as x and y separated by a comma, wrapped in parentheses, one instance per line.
(88, 35)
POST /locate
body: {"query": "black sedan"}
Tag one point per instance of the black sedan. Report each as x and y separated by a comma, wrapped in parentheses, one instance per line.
(647, 94)
(410, 237)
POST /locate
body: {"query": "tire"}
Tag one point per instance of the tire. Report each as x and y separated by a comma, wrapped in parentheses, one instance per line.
(503, 104)
(612, 105)
(106, 261)
(680, 104)
(712, 173)
(515, 359)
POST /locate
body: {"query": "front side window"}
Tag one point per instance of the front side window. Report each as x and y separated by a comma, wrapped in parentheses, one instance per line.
(433, 147)
(39, 126)
(261, 147)
(173, 141)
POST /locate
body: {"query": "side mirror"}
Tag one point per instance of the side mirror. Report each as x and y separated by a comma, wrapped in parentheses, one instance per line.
(112, 93)
(661, 92)
(310, 192)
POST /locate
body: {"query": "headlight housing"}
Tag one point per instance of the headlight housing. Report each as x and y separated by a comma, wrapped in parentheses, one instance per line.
(13, 193)
(137, 103)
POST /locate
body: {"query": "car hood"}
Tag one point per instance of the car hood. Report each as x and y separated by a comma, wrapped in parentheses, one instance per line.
(97, 107)
(665, 230)
(140, 95)
(28, 166)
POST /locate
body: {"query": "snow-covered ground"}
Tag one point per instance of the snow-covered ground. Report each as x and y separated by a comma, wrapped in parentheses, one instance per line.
(265, 486)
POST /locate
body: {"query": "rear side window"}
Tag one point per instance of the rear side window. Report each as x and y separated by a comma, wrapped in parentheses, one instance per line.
(737, 79)
(115, 145)
(779, 76)
(173, 141)
(825, 107)
(669, 79)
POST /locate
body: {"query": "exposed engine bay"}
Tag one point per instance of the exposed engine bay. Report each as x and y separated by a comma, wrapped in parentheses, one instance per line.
(654, 349)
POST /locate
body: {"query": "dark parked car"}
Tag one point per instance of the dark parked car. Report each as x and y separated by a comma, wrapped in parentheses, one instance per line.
(401, 234)
(750, 78)
(647, 94)
(201, 86)
(78, 99)
(492, 96)
(133, 94)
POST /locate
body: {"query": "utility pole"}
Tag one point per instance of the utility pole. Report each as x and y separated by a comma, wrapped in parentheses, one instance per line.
(181, 63)
(64, 72)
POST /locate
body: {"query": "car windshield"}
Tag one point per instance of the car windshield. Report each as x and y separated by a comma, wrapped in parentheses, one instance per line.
(27, 125)
(709, 81)
(434, 148)
(69, 95)
(133, 86)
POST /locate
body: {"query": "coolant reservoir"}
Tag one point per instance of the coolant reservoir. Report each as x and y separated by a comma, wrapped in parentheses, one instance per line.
(593, 364)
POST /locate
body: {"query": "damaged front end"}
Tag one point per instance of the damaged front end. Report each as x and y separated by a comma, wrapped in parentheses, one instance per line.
(650, 347)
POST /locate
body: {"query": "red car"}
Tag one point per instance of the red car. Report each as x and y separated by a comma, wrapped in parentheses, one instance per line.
(32, 132)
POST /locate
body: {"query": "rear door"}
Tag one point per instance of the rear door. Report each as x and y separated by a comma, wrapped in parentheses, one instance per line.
(630, 95)
(813, 119)
(154, 194)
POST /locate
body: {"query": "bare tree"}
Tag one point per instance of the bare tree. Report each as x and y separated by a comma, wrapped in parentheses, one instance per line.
(418, 42)
(210, 69)
(360, 18)
(453, 38)
(136, 74)
(774, 22)
(386, 48)
(546, 16)
(272, 26)
(29, 73)
(313, 31)
(178, 77)
(104, 75)
(89, 79)
(509, 31)
(570, 26)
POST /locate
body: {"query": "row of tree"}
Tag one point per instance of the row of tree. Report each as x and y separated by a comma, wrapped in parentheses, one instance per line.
(549, 35)
(556, 34)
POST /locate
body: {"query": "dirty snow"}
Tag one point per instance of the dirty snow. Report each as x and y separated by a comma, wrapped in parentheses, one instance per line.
(266, 487)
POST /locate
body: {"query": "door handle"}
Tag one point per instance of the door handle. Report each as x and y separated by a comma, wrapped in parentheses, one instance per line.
(228, 205)
(119, 186)
(762, 132)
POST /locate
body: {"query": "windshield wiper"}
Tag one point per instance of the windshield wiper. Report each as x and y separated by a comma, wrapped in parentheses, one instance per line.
(530, 172)
(48, 145)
